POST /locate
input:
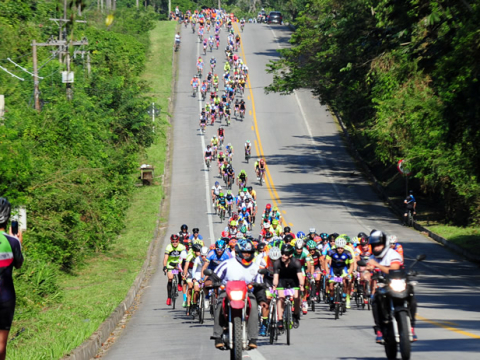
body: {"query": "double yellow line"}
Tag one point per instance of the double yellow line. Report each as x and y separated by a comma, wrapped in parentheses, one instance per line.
(258, 143)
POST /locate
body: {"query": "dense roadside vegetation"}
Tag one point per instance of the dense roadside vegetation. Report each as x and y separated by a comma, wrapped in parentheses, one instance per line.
(404, 77)
(74, 165)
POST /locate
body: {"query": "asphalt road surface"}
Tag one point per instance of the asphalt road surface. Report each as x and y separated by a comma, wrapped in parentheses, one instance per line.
(313, 180)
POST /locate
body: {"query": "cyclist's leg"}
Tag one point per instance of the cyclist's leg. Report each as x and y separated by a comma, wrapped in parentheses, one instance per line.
(280, 304)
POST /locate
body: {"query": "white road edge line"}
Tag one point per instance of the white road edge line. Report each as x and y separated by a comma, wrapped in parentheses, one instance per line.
(206, 171)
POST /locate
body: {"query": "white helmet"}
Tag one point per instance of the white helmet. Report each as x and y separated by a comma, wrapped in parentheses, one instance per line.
(266, 225)
(392, 239)
(299, 244)
(340, 242)
(239, 235)
(312, 230)
(275, 253)
(204, 251)
(320, 247)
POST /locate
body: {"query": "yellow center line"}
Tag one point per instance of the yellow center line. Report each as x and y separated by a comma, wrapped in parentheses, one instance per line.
(451, 328)
(270, 183)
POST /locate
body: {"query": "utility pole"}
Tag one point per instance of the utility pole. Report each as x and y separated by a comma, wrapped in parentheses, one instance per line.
(137, 5)
(169, 8)
(36, 80)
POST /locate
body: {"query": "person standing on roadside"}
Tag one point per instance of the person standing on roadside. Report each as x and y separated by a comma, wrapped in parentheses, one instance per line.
(410, 205)
(10, 256)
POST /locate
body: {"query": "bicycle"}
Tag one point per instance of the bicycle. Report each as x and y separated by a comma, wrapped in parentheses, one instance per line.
(207, 161)
(312, 294)
(247, 155)
(287, 312)
(174, 293)
(272, 319)
(339, 302)
(410, 219)
(261, 173)
(221, 212)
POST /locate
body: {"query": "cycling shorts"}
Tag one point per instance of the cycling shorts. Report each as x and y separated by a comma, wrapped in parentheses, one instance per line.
(341, 272)
(288, 283)
(7, 310)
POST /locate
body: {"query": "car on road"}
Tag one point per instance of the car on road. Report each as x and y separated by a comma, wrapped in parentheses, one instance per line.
(275, 17)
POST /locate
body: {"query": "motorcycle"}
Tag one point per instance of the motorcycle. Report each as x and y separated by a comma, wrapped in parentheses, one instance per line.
(395, 290)
(236, 311)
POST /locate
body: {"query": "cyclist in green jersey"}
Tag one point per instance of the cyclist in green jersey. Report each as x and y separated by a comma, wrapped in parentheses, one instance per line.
(174, 254)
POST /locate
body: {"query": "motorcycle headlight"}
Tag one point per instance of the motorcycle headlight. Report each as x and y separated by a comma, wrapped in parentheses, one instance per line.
(398, 285)
(236, 295)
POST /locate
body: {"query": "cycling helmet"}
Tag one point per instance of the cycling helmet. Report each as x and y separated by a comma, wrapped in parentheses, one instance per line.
(311, 245)
(204, 251)
(239, 235)
(266, 225)
(242, 194)
(250, 188)
(288, 238)
(287, 249)
(197, 247)
(354, 241)
(262, 161)
(243, 229)
(229, 144)
(220, 244)
(233, 223)
(275, 253)
(174, 237)
(248, 141)
(274, 222)
(324, 236)
(364, 240)
(184, 227)
(287, 229)
(244, 252)
(268, 206)
(220, 194)
(268, 235)
(232, 242)
(5, 210)
(195, 230)
(317, 239)
(311, 230)
(261, 247)
(224, 234)
(212, 247)
(378, 237)
(361, 234)
(340, 242)
(332, 236)
(217, 183)
(300, 234)
(214, 136)
(299, 244)
(244, 209)
(392, 239)
(221, 154)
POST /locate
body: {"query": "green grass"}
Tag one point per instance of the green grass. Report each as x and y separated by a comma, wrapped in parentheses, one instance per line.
(467, 238)
(95, 289)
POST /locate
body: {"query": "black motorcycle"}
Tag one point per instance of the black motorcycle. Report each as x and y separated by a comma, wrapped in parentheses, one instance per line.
(395, 293)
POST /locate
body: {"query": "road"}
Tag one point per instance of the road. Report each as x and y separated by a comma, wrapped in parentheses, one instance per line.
(315, 183)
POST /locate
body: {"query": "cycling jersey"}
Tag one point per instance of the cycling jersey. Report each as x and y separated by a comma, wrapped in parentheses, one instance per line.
(303, 257)
(216, 190)
(287, 274)
(316, 259)
(10, 256)
(214, 260)
(339, 262)
(175, 255)
(222, 201)
(231, 270)
(242, 176)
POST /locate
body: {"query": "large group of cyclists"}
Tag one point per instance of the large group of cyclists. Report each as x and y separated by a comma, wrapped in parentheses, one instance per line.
(292, 272)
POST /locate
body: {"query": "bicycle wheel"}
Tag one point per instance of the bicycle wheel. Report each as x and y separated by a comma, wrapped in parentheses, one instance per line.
(213, 302)
(272, 321)
(174, 291)
(338, 299)
(201, 307)
(410, 219)
(287, 318)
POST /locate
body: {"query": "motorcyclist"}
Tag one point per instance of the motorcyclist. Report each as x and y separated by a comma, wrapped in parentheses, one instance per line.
(385, 259)
(241, 267)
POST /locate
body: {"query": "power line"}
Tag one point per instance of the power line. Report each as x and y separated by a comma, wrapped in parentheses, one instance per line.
(28, 72)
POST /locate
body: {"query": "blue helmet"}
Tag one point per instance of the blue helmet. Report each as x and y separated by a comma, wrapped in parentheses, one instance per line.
(220, 244)
(300, 235)
(244, 246)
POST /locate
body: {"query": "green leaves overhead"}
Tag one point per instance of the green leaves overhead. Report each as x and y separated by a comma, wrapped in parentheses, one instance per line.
(406, 74)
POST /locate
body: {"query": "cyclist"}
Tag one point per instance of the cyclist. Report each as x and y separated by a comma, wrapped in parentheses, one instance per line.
(221, 202)
(242, 267)
(248, 148)
(174, 254)
(252, 193)
(410, 205)
(230, 199)
(386, 259)
(288, 231)
(242, 107)
(216, 189)
(11, 256)
(395, 245)
(195, 82)
(260, 167)
(226, 68)
(317, 263)
(230, 175)
(242, 179)
(188, 271)
(288, 274)
(214, 143)
(275, 228)
(339, 263)
(221, 134)
(177, 39)
(302, 255)
(196, 238)
(208, 153)
(236, 107)
(184, 236)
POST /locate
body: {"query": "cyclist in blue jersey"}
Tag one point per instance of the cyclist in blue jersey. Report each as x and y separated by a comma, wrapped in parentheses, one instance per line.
(10, 256)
